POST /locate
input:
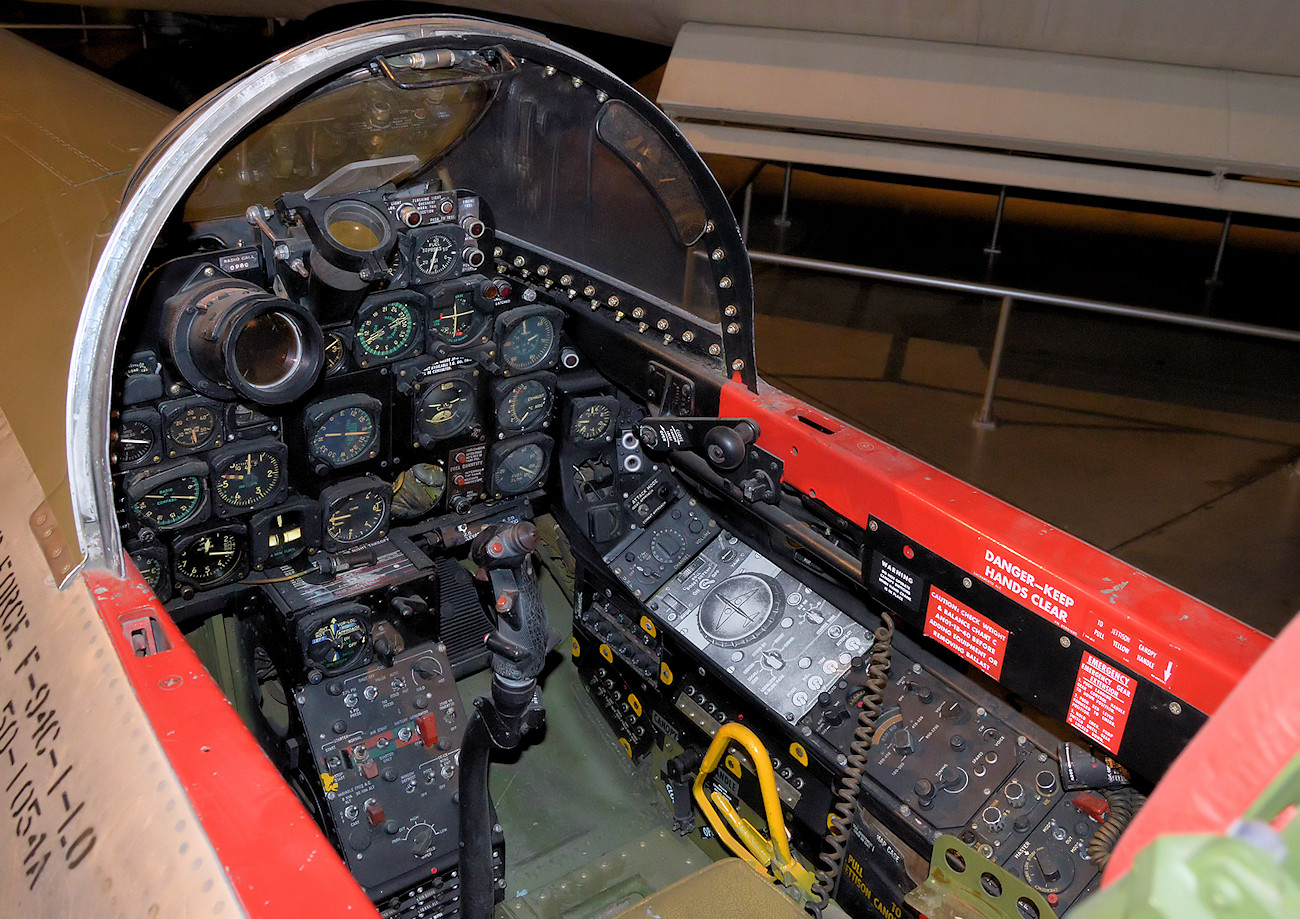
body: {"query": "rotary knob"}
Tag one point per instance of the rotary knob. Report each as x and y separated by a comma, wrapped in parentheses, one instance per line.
(1015, 793)
(905, 742)
(993, 817)
(1045, 782)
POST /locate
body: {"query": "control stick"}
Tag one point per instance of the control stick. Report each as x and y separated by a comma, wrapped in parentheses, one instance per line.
(518, 645)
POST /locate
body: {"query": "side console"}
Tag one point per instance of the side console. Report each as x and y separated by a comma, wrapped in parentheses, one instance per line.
(385, 743)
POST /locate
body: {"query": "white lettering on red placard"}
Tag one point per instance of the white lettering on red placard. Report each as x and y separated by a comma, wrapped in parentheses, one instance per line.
(958, 627)
(1103, 697)
(1032, 587)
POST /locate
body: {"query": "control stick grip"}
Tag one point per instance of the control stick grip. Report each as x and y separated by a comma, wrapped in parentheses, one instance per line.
(503, 554)
(524, 626)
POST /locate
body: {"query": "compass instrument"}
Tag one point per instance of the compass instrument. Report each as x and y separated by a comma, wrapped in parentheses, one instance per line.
(389, 327)
(354, 512)
(169, 498)
(343, 430)
(206, 560)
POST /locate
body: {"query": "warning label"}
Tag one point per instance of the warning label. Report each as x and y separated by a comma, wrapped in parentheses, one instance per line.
(958, 627)
(895, 581)
(1103, 697)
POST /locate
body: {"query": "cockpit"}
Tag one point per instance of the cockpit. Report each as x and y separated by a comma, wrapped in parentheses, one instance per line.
(419, 382)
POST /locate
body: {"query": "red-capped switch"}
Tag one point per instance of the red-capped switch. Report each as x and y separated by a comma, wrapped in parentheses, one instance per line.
(1094, 806)
(369, 769)
(427, 725)
(375, 813)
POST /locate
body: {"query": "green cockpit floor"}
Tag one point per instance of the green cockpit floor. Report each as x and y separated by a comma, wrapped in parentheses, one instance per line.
(586, 833)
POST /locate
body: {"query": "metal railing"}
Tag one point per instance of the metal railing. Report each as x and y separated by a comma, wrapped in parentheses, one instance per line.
(1009, 296)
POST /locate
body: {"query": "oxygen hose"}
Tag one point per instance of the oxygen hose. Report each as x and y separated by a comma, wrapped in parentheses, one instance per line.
(1124, 803)
(846, 805)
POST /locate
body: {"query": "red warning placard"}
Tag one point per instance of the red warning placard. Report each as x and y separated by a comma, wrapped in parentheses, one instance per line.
(958, 627)
(1103, 697)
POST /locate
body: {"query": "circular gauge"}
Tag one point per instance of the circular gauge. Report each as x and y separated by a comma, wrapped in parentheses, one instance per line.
(519, 469)
(457, 322)
(355, 512)
(335, 353)
(740, 610)
(524, 406)
(169, 499)
(529, 344)
(152, 565)
(135, 441)
(335, 643)
(593, 421)
(345, 433)
(210, 559)
(193, 428)
(446, 408)
(435, 255)
(248, 480)
(387, 329)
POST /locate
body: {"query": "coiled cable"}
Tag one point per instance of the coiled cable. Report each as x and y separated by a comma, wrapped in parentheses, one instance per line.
(1124, 803)
(846, 804)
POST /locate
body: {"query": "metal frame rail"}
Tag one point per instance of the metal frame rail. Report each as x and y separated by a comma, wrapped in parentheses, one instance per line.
(1009, 296)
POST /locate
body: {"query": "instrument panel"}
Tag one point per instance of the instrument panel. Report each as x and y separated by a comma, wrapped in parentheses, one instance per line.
(342, 368)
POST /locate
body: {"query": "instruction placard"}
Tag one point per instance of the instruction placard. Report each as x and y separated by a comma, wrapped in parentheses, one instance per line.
(1103, 697)
(958, 627)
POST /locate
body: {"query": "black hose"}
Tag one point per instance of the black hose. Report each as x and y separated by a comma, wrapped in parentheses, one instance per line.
(1124, 803)
(846, 804)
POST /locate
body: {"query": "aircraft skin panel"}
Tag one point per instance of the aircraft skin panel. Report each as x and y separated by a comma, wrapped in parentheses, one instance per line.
(65, 152)
(97, 820)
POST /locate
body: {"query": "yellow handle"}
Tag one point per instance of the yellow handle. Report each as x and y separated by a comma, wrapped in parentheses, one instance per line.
(759, 854)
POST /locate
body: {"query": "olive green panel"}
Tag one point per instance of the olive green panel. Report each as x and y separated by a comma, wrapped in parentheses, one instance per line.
(68, 140)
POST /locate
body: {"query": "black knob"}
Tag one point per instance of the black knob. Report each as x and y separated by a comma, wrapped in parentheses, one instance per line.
(925, 694)
(1045, 782)
(905, 742)
(1048, 866)
(953, 711)
(1015, 793)
(422, 840)
(924, 790)
(957, 742)
(1021, 824)
(724, 447)
(384, 650)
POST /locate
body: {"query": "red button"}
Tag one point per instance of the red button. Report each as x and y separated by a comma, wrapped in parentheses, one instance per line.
(375, 813)
(427, 724)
